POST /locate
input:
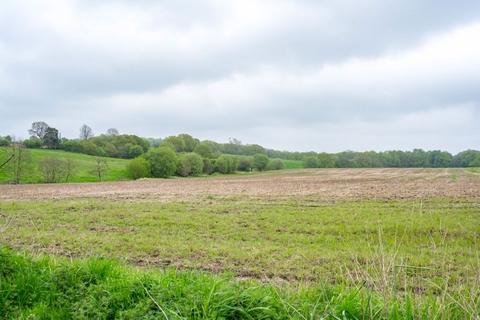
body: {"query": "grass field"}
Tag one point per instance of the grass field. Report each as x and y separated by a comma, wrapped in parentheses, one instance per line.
(306, 244)
(293, 164)
(84, 166)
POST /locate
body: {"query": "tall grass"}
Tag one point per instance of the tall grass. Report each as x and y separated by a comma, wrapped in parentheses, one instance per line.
(48, 288)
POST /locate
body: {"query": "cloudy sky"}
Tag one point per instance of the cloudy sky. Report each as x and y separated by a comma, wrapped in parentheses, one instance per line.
(297, 75)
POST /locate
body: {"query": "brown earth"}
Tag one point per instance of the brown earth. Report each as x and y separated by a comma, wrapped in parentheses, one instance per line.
(328, 184)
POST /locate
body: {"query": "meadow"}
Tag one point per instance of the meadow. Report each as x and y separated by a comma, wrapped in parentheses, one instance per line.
(83, 166)
(305, 244)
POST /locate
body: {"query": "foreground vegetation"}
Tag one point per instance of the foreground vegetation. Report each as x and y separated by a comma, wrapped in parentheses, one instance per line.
(48, 288)
(405, 256)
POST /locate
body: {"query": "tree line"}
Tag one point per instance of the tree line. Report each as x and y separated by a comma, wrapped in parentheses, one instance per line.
(417, 158)
(184, 155)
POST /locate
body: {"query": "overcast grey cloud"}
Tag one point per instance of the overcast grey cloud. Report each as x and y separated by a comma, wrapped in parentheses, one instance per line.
(295, 75)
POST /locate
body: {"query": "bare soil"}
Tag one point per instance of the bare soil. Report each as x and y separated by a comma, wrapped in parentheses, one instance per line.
(328, 184)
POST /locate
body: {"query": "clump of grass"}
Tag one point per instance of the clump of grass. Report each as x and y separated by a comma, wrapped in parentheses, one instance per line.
(48, 288)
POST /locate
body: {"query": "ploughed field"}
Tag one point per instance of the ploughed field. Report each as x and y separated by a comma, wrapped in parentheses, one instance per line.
(315, 184)
(392, 231)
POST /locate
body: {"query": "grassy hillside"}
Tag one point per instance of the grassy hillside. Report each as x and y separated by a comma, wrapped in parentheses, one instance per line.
(293, 164)
(84, 166)
(47, 288)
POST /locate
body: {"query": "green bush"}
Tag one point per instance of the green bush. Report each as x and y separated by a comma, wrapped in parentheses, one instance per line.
(226, 164)
(5, 141)
(208, 166)
(204, 149)
(311, 162)
(32, 143)
(260, 161)
(190, 164)
(138, 168)
(276, 164)
(245, 164)
(163, 162)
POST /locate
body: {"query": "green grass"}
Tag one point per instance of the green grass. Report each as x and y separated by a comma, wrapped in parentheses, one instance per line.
(84, 166)
(392, 247)
(293, 164)
(48, 288)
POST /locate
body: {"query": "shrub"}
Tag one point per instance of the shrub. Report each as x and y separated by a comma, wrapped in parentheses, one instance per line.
(245, 164)
(163, 162)
(52, 169)
(260, 161)
(138, 168)
(5, 141)
(204, 149)
(190, 164)
(208, 166)
(226, 164)
(326, 160)
(276, 164)
(88, 147)
(72, 146)
(32, 143)
(311, 162)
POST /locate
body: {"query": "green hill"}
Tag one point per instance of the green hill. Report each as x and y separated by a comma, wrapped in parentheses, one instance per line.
(84, 166)
(293, 164)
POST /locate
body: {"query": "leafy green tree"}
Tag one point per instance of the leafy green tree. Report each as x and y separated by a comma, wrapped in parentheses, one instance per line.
(252, 149)
(89, 147)
(163, 162)
(204, 149)
(439, 159)
(226, 164)
(310, 162)
(51, 138)
(177, 143)
(208, 166)
(101, 168)
(276, 164)
(32, 143)
(245, 164)
(5, 141)
(190, 164)
(189, 142)
(260, 161)
(346, 159)
(325, 160)
(138, 168)
(475, 162)
(466, 158)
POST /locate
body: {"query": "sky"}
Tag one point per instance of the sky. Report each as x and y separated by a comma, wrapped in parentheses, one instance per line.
(297, 75)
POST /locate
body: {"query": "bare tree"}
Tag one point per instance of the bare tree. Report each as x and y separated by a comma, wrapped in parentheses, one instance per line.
(101, 167)
(56, 170)
(69, 169)
(39, 129)
(86, 132)
(20, 161)
(112, 132)
(52, 169)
